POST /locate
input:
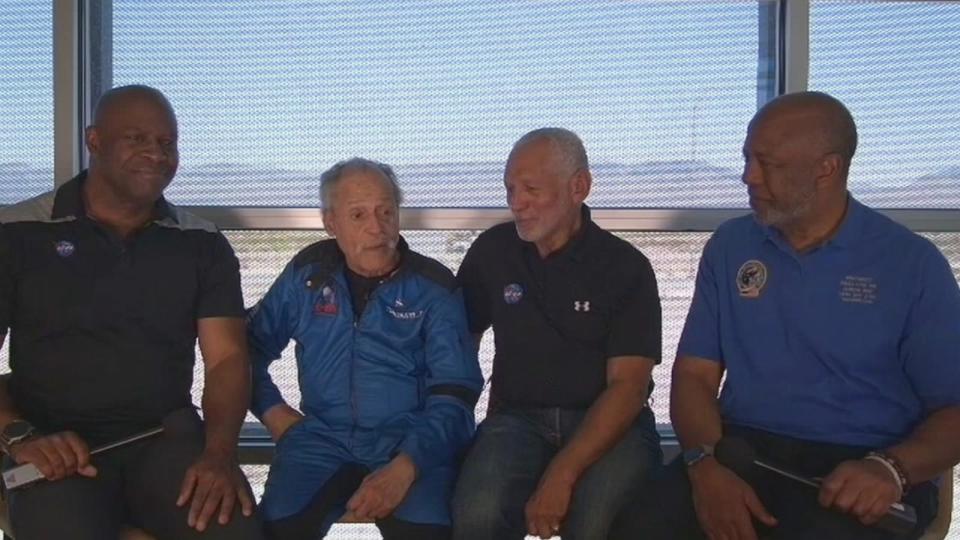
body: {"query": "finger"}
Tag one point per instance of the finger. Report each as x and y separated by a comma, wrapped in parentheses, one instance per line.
(79, 448)
(246, 500)
(829, 489)
(226, 505)
(67, 457)
(38, 458)
(847, 497)
(863, 504)
(53, 461)
(876, 512)
(758, 510)
(213, 500)
(362, 505)
(187, 487)
(743, 527)
(198, 502)
(89, 471)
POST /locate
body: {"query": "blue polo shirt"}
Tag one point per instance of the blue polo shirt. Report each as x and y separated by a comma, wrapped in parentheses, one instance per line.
(855, 342)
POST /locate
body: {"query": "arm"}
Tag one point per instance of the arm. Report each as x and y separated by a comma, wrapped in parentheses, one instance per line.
(270, 325)
(215, 481)
(603, 426)
(56, 455)
(445, 426)
(866, 488)
(724, 503)
(633, 346)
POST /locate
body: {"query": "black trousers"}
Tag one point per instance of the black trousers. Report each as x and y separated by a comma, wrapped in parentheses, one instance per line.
(306, 524)
(135, 485)
(665, 508)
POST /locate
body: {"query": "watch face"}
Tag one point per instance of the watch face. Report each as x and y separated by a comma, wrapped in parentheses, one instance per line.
(16, 430)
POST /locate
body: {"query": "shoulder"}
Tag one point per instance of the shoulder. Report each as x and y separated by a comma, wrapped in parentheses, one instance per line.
(186, 221)
(432, 270)
(496, 237)
(36, 209)
(324, 251)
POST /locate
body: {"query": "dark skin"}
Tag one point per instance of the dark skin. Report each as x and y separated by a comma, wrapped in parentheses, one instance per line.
(133, 149)
(804, 139)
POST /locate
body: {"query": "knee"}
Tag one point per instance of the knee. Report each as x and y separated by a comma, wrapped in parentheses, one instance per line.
(476, 510)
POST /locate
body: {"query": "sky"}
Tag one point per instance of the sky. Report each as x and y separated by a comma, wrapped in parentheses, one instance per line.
(296, 86)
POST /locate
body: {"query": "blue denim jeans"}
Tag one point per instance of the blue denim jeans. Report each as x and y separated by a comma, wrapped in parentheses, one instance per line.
(510, 453)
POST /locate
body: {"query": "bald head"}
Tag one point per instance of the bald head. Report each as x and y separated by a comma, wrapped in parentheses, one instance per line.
(566, 149)
(119, 98)
(821, 119)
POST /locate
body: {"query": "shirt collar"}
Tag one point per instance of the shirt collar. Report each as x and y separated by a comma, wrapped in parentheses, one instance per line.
(68, 202)
(849, 231)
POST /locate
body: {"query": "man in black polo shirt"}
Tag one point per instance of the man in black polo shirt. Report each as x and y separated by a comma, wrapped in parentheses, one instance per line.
(576, 320)
(106, 288)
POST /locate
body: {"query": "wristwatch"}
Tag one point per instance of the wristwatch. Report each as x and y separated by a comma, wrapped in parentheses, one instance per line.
(692, 456)
(16, 431)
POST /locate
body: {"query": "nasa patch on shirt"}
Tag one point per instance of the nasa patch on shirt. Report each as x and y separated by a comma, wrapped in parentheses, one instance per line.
(65, 248)
(513, 293)
(751, 278)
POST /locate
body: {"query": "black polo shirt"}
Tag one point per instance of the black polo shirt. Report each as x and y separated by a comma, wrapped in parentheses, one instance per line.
(102, 330)
(557, 320)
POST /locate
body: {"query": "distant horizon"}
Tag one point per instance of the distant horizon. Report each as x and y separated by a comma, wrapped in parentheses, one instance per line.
(650, 184)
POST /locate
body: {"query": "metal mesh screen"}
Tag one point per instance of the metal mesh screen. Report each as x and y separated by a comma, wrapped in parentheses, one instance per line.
(26, 99)
(659, 90)
(897, 67)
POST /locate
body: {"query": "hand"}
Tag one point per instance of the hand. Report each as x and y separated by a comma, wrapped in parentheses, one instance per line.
(214, 481)
(549, 504)
(279, 418)
(383, 489)
(863, 488)
(57, 455)
(725, 503)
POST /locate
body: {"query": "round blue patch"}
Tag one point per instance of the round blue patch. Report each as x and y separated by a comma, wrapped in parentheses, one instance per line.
(512, 293)
(65, 248)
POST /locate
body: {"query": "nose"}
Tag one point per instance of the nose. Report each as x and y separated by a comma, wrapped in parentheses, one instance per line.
(516, 201)
(751, 173)
(155, 150)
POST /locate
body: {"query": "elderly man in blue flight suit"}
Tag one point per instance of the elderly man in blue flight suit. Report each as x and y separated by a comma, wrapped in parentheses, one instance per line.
(387, 369)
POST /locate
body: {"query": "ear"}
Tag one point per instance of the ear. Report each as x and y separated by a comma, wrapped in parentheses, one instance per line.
(329, 224)
(92, 138)
(830, 168)
(580, 185)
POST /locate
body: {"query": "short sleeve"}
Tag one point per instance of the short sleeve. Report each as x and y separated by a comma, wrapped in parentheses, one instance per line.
(932, 335)
(475, 291)
(701, 332)
(636, 327)
(7, 280)
(219, 293)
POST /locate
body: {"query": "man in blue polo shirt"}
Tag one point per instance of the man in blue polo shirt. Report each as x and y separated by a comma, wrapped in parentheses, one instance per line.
(836, 330)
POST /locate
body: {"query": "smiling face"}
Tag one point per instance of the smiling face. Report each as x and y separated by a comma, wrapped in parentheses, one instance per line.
(364, 218)
(544, 196)
(133, 148)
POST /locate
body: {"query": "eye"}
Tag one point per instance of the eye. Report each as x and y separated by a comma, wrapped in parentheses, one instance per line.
(356, 215)
(135, 138)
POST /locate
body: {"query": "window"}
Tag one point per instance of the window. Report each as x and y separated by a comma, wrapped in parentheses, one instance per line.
(660, 92)
(26, 99)
(897, 67)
